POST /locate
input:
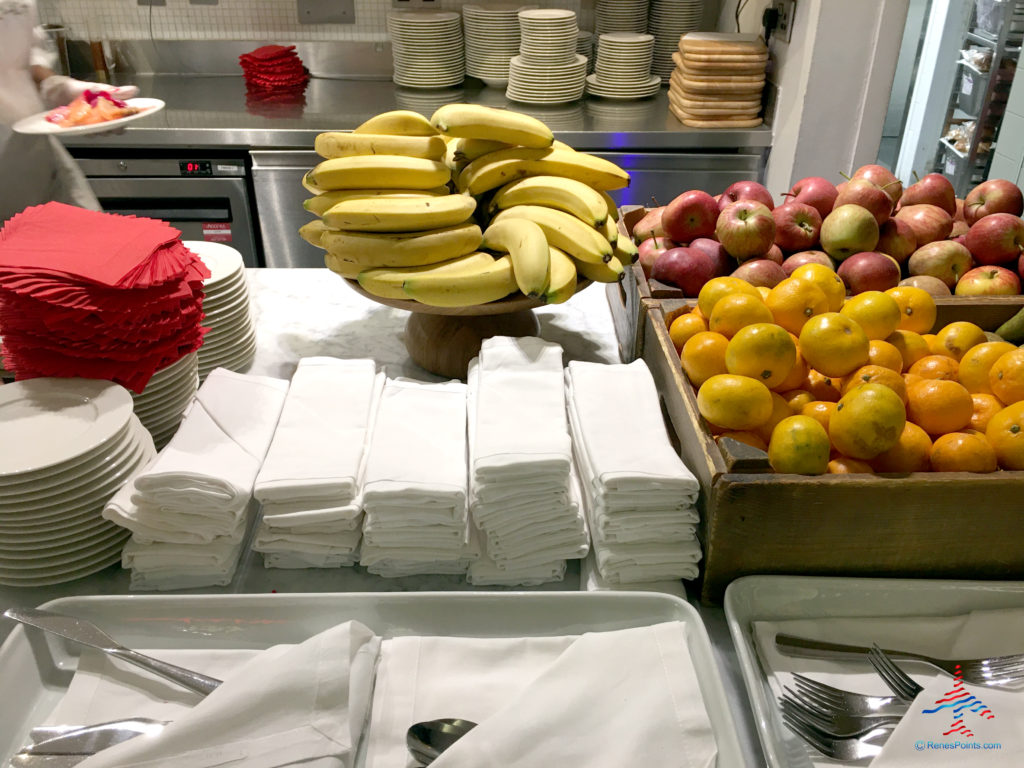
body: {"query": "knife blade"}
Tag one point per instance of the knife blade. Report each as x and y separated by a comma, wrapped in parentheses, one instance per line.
(23, 760)
(67, 739)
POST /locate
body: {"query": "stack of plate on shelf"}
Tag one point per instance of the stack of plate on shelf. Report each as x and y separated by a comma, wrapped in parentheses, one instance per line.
(547, 70)
(620, 16)
(427, 48)
(620, 116)
(585, 47)
(231, 341)
(161, 405)
(622, 68)
(560, 117)
(69, 445)
(668, 20)
(492, 39)
(428, 102)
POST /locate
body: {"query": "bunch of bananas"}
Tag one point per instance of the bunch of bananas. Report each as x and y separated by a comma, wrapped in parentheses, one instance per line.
(466, 208)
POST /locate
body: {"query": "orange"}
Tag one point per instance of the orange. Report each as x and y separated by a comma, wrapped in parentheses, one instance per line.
(1005, 431)
(834, 344)
(797, 399)
(764, 291)
(819, 410)
(985, 407)
(917, 308)
(793, 302)
(695, 310)
(822, 387)
(737, 311)
(718, 287)
(844, 465)
(797, 374)
(976, 364)
(780, 411)
(936, 367)
(799, 445)
(1006, 376)
(866, 421)
(911, 378)
(683, 327)
(827, 280)
(885, 354)
(703, 356)
(963, 452)
(763, 351)
(874, 311)
(746, 437)
(912, 346)
(734, 402)
(912, 452)
(959, 337)
(934, 347)
(876, 374)
(939, 406)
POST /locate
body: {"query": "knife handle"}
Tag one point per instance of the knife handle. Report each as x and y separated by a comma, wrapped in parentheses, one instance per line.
(790, 645)
(194, 681)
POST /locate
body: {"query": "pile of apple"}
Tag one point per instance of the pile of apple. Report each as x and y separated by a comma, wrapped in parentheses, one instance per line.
(875, 234)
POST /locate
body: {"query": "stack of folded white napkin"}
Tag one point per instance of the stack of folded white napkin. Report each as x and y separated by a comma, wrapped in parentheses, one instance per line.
(638, 494)
(310, 483)
(187, 508)
(414, 491)
(521, 493)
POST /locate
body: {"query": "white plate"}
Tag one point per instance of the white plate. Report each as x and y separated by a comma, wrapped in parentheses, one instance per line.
(38, 124)
(223, 261)
(40, 669)
(769, 598)
(86, 567)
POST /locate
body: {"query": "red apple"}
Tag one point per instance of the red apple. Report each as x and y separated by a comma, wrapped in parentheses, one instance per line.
(929, 222)
(868, 195)
(993, 196)
(962, 239)
(649, 226)
(869, 271)
(849, 229)
(927, 283)
(690, 215)
(760, 272)
(685, 268)
(775, 254)
(797, 226)
(816, 192)
(960, 228)
(746, 229)
(883, 177)
(724, 263)
(943, 259)
(745, 190)
(896, 238)
(649, 251)
(988, 281)
(959, 215)
(997, 238)
(795, 260)
(933, 189)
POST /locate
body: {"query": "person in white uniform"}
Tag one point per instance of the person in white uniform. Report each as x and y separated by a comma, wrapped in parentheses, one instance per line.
(36, 169)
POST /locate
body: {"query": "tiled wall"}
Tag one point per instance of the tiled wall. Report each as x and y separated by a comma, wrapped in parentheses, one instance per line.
(238, 19)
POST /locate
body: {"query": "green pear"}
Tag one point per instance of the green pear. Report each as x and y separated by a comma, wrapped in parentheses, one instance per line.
(1013, 329)
(847, 230)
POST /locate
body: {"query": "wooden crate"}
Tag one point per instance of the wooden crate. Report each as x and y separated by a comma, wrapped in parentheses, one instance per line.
(753, 521)
(625, 297)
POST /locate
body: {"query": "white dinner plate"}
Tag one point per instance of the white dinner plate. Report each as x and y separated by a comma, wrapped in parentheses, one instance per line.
(37, 124)
(223, 261)
(84, 567)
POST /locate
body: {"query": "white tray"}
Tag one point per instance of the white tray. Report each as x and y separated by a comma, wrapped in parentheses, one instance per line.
(36, 669)
(767, 598)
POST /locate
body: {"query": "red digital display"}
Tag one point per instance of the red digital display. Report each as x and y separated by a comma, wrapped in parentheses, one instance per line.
(195, 167)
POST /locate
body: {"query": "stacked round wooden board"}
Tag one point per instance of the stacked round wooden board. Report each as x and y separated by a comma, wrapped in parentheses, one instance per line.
(718, 80)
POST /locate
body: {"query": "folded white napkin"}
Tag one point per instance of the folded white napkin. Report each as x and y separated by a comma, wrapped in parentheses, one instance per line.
(162, 565)
(286, 706)
(294, 560)
(486, 573)
(635, 563)
(341, 543)
(592, 581)
(646, 701)
(284, 516)
(318, 446)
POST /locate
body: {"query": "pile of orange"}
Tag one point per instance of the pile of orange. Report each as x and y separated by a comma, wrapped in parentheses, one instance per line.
(826, 383)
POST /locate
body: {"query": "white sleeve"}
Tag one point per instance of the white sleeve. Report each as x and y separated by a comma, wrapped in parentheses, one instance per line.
(42, 53)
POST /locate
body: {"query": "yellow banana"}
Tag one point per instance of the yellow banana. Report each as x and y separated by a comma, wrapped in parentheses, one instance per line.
(563, 277)
(413, 249)
(409, 214)
(527, 246)
(613, 209)
(610, 272)
(625, 249)
(337, 144)
(380, 171)
(310, 187)
(468, 150)
(610, 230)
(568, 195)
(474, 121)
(564, 231)
(386, 282)
(320, 204)
(488, 283)
(399, 122)
(312, 231)
(497, 168)
(346, 269)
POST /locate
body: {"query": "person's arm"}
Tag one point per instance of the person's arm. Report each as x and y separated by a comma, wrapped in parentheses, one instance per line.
(40, 73)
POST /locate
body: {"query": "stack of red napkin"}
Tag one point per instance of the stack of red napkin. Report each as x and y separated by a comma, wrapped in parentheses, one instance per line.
(275, 81)
(96, 295)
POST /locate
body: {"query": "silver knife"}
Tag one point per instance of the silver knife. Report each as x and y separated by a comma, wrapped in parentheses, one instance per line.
(24, 760)
(89, 738)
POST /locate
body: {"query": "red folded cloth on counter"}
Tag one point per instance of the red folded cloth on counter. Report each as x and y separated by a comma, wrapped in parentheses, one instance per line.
(96, 295)
(273, 67)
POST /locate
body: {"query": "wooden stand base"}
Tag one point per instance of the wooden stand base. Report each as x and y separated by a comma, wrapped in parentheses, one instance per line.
(444, 344)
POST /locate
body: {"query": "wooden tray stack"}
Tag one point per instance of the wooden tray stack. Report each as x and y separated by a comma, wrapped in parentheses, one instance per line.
(718, 80)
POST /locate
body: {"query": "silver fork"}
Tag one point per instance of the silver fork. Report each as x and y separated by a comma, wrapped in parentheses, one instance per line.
(902, 684)
(861, 749)
(825, 696)
(834, 723)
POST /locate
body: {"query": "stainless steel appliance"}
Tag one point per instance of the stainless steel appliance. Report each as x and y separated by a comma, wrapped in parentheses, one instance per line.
(207, 198)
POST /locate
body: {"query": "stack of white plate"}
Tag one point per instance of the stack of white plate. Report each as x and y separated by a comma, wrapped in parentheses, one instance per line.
(668, 20)
(69, 445)
(428, 102)
(231, 341)
(161, 405)
(622, 116)
(620, 16)
(427, 48)
(547, 70)
(492, 38)
(585, 47)
(622, 67)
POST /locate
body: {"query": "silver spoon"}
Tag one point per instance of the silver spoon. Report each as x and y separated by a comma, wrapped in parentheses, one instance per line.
(427, 740)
